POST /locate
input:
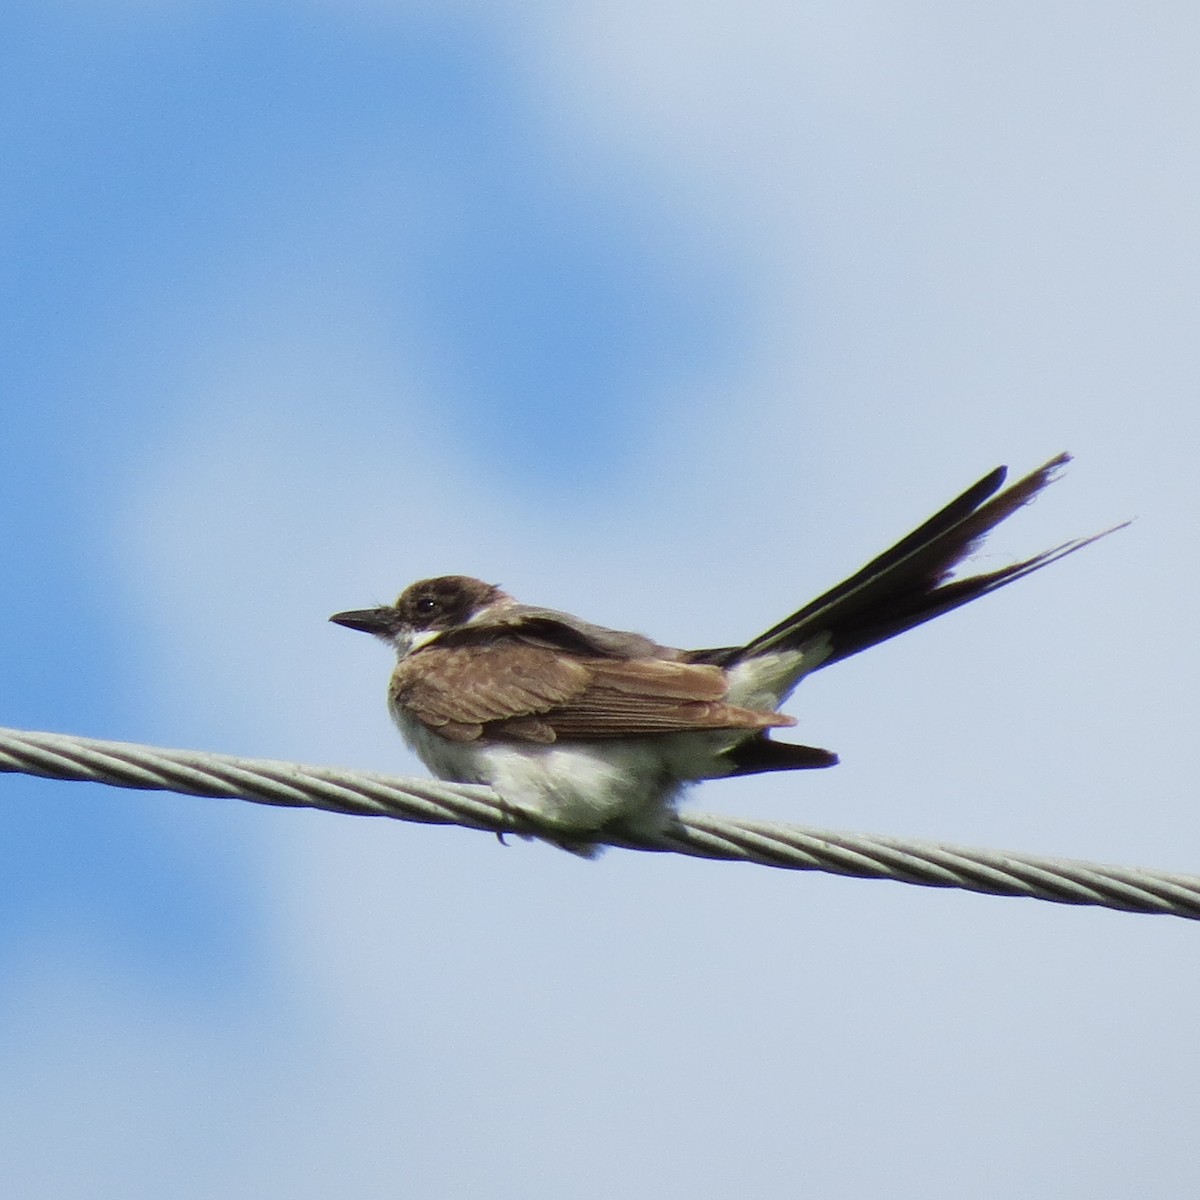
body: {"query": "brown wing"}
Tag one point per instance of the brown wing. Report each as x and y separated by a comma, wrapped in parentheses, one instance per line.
(456, 691)
(524, 692)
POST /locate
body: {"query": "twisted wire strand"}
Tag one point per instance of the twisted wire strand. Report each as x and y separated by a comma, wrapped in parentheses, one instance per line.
(701, 835)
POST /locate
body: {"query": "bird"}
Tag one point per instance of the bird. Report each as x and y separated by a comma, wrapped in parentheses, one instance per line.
(595, 733)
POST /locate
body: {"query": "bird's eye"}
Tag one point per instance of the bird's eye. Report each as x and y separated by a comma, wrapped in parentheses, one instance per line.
(427, 606)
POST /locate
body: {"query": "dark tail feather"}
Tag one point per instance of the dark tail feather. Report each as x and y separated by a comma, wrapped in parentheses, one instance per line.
(759, 753)
(907, 585)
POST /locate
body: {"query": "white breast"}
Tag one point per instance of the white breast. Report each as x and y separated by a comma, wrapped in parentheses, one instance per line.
(583, 785)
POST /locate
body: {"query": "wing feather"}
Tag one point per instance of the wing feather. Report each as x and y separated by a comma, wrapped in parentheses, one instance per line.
(459, 685)
(522, 692)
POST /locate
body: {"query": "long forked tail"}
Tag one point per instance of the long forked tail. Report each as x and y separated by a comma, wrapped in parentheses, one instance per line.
(909, 584)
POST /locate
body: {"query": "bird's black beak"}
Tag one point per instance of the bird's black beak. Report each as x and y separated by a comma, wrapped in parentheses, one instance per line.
(379, 621)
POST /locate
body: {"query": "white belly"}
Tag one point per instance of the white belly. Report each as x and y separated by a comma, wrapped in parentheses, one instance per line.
(581, 786)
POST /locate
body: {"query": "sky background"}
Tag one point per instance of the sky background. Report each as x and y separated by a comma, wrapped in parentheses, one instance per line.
(670, 315)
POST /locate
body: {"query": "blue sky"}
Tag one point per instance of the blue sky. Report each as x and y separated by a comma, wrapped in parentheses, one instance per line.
(670, 319)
